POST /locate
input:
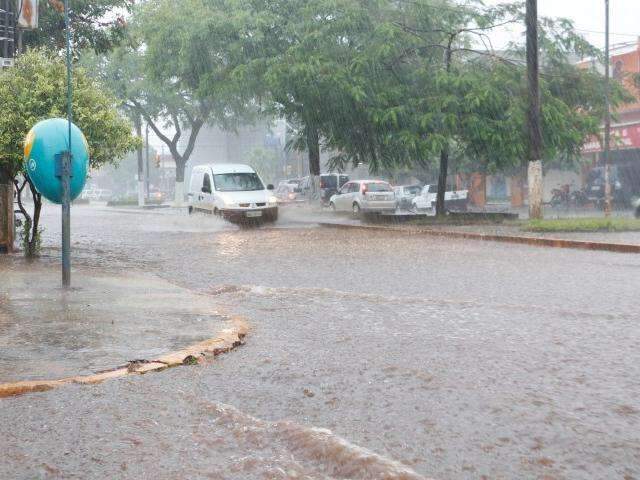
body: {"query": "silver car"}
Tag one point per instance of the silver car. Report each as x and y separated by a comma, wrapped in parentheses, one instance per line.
(364, 196)
(405, 194)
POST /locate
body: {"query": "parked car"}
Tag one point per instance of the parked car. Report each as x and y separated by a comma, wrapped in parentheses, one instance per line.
(406, 193)
(291, 181)
(288, 193)
(454, 200)
(233, 191)
(97, 194)
(330, 183)
(364, 196)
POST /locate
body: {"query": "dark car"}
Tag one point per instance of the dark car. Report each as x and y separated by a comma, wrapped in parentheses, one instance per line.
(330, 183)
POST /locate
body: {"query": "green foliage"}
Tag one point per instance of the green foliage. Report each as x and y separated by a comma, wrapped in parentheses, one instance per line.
(266, 162)
(97, 25)
(385, 83)
(35, 89)
(181, 68)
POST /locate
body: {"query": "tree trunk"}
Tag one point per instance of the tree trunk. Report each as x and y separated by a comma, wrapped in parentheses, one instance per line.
(313, 146)
(444, 153)
(6, 213)
(33, 242)
(178, 197)
(442, 183)
(535, 129)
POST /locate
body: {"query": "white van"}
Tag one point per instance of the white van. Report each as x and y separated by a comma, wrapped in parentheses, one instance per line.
(233, 191)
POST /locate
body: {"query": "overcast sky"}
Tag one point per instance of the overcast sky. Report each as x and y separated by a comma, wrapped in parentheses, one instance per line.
(588, 16)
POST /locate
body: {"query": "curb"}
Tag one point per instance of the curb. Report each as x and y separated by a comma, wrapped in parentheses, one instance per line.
(227, 340)
(532, 241)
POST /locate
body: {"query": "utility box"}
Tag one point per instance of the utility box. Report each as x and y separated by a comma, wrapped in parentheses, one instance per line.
(7, 32)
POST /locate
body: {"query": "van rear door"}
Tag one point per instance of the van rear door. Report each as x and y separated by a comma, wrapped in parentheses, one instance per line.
(195, 186)
(206, 191)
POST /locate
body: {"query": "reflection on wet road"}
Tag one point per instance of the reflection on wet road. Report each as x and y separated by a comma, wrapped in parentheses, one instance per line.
(459, 360)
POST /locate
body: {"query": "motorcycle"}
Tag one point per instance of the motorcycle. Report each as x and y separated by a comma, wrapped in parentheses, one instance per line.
(561, 196)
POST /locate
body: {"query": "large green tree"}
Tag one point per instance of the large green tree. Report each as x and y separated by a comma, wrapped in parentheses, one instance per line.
(309, 70)
(429, 84)
(182, 69)
(35, 89)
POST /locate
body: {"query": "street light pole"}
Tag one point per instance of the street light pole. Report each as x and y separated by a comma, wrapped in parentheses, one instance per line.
(607, 118)
(66, 166)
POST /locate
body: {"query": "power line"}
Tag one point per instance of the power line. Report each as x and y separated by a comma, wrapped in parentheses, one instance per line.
(634, 35)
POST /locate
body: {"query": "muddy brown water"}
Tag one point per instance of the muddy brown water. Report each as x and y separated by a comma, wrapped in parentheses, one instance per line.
(371, 355)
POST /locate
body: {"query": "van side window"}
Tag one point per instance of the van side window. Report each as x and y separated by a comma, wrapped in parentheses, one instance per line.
(206, 183)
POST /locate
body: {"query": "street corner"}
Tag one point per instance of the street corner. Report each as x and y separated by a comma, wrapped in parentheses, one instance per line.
(110, 326)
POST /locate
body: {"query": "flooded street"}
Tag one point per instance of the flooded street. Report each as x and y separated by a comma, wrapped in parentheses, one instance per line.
(450, 359)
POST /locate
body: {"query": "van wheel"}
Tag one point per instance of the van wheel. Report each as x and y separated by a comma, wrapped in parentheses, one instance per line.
(216, 212)
(355, 210)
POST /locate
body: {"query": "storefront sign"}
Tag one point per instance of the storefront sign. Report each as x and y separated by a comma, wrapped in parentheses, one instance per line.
(622, 138)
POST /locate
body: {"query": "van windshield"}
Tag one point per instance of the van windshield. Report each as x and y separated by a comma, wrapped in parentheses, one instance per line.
(237, 182)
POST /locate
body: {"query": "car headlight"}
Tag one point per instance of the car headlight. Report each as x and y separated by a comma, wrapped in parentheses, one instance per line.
(273, 200)
(226, 200)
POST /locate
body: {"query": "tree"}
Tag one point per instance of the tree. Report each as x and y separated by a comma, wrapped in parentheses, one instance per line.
(308, 73)
(97, 25)
(181, 70)
(33, 90)
(266, 162)
(430, 85)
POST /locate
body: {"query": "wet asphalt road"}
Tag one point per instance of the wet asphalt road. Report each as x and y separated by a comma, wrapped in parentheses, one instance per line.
(457, 359)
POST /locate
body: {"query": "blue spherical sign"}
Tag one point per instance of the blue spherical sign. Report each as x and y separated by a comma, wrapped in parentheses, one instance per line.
(46, 140)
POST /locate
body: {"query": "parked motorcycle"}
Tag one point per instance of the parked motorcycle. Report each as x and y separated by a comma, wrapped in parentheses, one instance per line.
(561, 196)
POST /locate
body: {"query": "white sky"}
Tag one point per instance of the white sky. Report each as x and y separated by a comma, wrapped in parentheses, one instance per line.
(588, 17)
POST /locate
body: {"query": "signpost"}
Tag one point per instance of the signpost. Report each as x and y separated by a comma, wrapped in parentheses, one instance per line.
(66, 166)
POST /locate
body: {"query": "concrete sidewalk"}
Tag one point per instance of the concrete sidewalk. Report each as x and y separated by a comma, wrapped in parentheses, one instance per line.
(103, 322)
(627, 238)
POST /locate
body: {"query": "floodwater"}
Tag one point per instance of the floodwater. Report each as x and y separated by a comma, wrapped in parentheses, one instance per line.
(447, 358)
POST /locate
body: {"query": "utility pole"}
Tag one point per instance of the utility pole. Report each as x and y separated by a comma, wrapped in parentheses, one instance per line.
(607, 117)
(138, 125)
(147, 162)
(534, 173)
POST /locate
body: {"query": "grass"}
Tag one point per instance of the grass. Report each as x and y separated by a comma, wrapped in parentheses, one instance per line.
(459, 219)
(614, 224)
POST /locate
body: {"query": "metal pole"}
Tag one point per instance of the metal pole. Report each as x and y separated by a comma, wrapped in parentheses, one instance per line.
(66, 167)
(607, 118)
(147, 161)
